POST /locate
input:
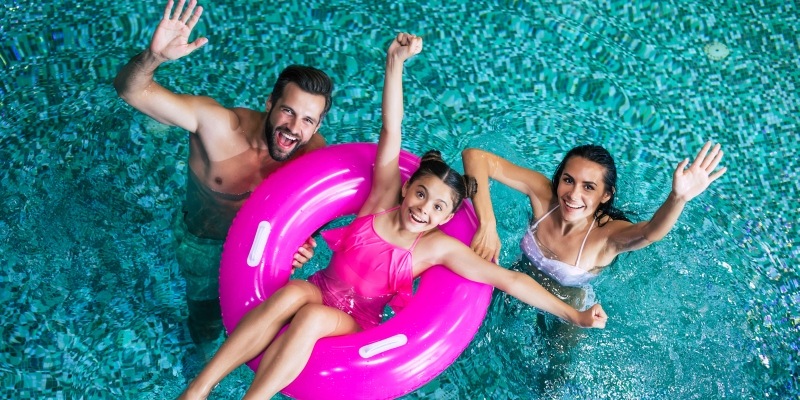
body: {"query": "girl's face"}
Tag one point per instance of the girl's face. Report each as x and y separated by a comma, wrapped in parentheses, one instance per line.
(581, 189)
(427, 203)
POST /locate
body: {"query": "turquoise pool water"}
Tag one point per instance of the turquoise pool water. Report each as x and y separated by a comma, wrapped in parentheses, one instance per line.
(92, 300)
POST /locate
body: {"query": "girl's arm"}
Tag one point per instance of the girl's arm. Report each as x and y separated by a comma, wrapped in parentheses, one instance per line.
(386, 175)
(686, 185)
(460, 259)
(483, 165)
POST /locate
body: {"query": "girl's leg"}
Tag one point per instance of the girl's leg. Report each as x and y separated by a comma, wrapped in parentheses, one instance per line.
(253, 334)
(288, 355)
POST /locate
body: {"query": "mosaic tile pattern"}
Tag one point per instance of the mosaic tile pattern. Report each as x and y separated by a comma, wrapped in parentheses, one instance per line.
(93, 300)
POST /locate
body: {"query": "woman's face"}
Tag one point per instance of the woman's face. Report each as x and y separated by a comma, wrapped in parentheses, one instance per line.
(581, 189)
(427, 203)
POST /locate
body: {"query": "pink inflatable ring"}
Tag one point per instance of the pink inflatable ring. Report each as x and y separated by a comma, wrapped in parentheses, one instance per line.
(388, 361)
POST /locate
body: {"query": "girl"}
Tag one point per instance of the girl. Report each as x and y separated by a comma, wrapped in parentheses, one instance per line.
(375, 259)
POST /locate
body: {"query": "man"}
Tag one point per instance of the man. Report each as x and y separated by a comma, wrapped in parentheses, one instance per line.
(231, 151)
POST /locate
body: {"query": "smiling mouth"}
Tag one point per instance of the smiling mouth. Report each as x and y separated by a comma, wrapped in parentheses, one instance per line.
(416, 219)
(286, 140)
(572, 206)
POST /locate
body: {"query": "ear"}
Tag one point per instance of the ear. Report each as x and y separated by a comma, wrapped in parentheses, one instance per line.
(269, 103)
(447, 219)
(607, 195)
(403, 190)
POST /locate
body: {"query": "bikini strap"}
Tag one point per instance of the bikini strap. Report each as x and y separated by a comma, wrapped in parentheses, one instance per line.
(535, 224)
(578, 261)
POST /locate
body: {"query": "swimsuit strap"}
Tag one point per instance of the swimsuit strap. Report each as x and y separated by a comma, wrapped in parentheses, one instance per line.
(578, 261)
(411, 249)
(535, 224)
(395, 208)
(386, 211)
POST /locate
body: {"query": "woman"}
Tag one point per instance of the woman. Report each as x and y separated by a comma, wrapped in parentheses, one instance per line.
(375, 260)
(576, 231)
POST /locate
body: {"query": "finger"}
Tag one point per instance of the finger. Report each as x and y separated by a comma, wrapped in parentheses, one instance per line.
(679, 169)
(168, 9)
(717, 174)
(416, 44)
(701, 154)
(497, 256)
(188, 12)
(709, 158)
(198, 43)
(195, 17)
(299, 260)
(305, 251)
(712, 164)
(178, 10)
(312, 241)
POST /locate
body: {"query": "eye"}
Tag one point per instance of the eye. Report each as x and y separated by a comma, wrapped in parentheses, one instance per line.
(437, 207)
(287, 110)
(567, 179)
(588, 187)
(420, 195)
(309, 121)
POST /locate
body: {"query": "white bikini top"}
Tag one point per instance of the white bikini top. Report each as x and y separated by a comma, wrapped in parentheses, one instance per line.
(563, 273)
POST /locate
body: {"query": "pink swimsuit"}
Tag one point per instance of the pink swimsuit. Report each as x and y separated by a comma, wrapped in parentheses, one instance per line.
(365, 272)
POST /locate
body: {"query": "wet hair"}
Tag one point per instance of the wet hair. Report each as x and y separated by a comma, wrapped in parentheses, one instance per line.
(599, 155)
(309, 79)
(432, 164)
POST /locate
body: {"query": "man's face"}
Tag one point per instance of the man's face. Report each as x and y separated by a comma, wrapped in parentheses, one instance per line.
(291, 121)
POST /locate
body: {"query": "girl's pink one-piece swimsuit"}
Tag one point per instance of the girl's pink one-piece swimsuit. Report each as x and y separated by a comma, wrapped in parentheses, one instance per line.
(365, 272)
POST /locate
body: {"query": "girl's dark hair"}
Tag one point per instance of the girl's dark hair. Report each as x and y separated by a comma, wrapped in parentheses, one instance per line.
(432, 164)
(599, 155)
(309, 79)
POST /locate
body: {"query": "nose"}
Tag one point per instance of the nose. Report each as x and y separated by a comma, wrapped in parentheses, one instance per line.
(572, 191)
(426, 207)
(295, 127)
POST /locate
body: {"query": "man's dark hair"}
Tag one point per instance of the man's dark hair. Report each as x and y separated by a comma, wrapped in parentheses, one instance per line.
(309, 79)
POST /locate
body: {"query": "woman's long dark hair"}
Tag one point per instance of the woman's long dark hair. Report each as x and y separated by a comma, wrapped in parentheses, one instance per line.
(599, 155)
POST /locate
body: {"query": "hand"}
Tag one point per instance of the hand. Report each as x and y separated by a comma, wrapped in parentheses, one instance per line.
(486, 244)
(688, 183)
(304, 253)
(594, 317)
(171, 38)
(404, 46)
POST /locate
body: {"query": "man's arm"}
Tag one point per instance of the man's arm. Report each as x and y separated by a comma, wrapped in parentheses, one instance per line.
(135, 83)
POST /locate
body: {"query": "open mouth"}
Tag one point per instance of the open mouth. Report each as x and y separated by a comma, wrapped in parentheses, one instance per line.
(417, 219)
(572, 206)
(285, 140)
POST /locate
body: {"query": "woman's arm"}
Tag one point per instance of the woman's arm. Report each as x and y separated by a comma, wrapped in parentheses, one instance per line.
(687, 183)
(459, 259)
(386, 177)
(483, 165)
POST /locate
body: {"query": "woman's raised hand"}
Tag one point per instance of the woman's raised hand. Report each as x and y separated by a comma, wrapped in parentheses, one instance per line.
(687, 183)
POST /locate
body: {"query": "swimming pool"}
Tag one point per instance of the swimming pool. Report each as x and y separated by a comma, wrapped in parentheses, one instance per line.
(93, 303)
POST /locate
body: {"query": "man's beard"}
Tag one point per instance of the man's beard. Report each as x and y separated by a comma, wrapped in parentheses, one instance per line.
(271, 137)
